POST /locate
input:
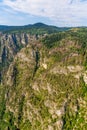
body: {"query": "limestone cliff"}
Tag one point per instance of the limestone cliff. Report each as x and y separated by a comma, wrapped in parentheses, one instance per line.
(45, 85)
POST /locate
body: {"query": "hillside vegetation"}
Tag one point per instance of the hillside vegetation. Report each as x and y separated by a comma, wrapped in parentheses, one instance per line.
(44, 87)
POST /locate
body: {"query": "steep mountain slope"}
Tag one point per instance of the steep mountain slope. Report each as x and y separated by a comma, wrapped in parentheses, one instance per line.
(14, 38)
(10, 45)
(45, 87)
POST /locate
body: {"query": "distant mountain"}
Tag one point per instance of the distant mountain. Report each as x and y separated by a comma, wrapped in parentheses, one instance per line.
(37, 28)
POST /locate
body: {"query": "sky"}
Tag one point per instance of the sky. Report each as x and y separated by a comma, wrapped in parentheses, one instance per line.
(61, 13)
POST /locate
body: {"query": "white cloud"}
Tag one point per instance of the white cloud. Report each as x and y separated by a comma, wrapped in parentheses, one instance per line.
(62, 12)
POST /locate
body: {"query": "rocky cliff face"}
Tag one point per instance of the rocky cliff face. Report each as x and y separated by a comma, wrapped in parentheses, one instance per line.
(45, 88)
(10, 45)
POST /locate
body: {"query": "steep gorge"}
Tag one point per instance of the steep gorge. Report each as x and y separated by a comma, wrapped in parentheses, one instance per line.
(10, 45)
(45, 86)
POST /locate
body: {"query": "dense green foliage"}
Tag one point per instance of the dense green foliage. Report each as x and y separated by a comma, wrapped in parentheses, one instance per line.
(45, 87)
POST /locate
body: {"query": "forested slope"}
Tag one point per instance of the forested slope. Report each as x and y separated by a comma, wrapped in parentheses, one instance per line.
(45, 85)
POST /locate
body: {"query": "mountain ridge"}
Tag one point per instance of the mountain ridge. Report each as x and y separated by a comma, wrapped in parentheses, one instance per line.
(5, 28)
